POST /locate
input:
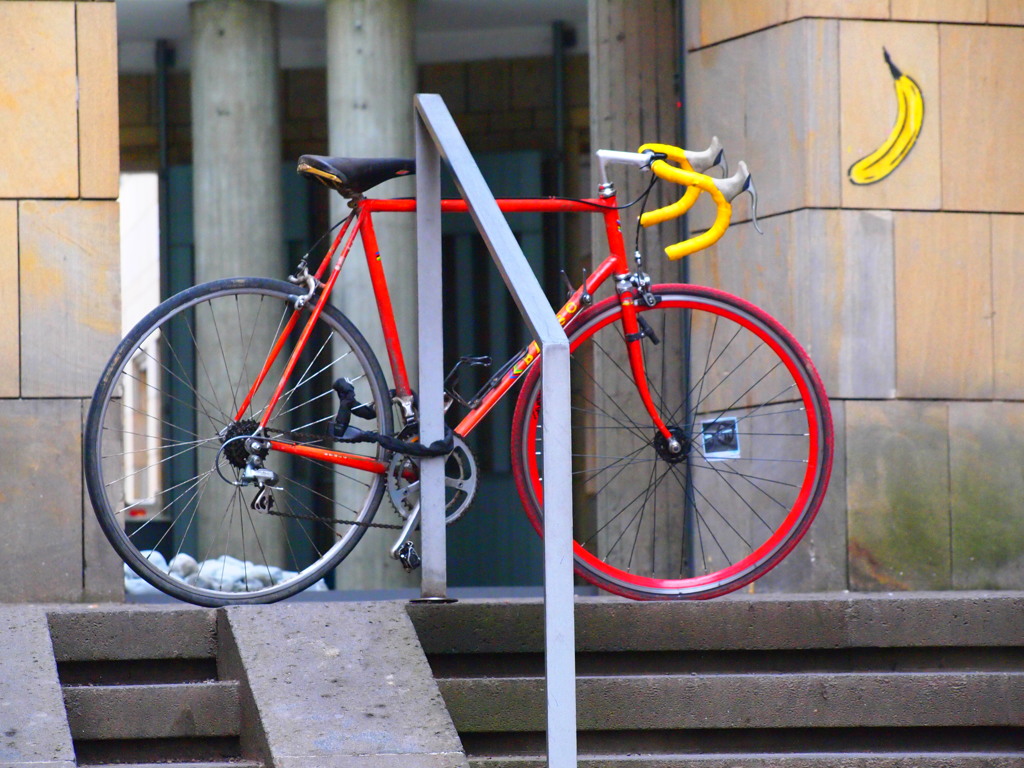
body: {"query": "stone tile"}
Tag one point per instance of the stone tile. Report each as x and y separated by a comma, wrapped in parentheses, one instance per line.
(102, 568)
(827, 276)
(779, 119)
(987, 494)
(841, 270)
(818, 564)
(40, 494)
(9, 339)
(32, 715)
(970, 11)
(724, 19)
(70, 295)
(943, 305)
(97, 100)
(839, 9)
(868, 111)
(975, 61)
(1007, 287)
(38, 116)
(897, 482)
(1006, 12)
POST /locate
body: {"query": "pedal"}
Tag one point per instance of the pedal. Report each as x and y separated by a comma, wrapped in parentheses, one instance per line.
(409, 557)
(449, 387)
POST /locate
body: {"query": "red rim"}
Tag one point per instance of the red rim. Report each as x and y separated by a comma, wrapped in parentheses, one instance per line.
(782, 539)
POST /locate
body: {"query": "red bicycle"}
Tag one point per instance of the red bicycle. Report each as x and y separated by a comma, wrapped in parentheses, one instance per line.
(245, 431)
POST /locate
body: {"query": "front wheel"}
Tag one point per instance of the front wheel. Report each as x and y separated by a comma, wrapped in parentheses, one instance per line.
(743, 399)
(167, 445)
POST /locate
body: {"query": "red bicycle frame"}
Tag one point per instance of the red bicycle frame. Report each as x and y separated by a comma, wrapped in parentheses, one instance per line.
(360, 223)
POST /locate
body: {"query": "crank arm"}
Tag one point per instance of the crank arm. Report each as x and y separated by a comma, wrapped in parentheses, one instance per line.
(410, 524)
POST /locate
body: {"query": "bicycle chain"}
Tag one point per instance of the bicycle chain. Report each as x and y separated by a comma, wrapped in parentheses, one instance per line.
(307, 439)
(315, 519)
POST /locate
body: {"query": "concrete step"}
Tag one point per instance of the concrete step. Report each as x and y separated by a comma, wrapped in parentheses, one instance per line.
(98, 712)
(843, 681)
(122, 633)
(745, 622)
(186, 764)
(707, 742)
(796, 700)
(141, 685)
(819, 760)
(185, 751)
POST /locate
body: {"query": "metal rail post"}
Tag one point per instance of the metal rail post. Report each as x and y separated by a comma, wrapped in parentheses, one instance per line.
(433, 118)
(434, 584)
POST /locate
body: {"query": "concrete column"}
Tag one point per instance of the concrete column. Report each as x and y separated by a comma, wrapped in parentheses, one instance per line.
(371, 77)
(632, 101)
(238, 217)
(236, 134)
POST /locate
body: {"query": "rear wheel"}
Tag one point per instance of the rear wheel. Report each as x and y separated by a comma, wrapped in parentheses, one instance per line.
(166, 445)
(743, 399)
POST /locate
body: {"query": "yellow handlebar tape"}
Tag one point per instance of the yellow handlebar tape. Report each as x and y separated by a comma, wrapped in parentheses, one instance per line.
(696, 182)
(681, 206)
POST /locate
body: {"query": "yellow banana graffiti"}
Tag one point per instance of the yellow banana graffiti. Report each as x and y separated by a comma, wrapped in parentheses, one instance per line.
(909, 118)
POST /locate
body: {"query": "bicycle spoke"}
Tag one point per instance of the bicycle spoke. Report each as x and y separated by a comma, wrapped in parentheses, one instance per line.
(169, 446)
(742, 414)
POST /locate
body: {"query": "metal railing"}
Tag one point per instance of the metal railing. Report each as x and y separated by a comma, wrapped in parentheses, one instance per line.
(438, 137)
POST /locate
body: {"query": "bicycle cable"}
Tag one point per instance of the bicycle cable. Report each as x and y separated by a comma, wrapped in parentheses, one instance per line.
(643, 206)
(641, 196)
(308, 253)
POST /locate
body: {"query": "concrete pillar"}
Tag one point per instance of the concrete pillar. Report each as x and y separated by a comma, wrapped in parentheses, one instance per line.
(236, 134)
(632, 101)
(238, 215)
(371, 77)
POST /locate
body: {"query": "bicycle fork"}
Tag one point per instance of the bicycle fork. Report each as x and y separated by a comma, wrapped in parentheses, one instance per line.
(631, 287)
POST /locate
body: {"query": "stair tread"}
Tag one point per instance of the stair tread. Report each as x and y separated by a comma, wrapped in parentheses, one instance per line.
(747, 701)
(751, 622)
(133, 633)
(765, 760)
(153, 711)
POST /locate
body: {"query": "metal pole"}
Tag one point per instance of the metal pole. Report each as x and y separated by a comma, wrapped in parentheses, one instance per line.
(434, 584)
(559, 615)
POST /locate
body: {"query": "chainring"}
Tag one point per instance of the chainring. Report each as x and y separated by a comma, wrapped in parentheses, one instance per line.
(460, 481)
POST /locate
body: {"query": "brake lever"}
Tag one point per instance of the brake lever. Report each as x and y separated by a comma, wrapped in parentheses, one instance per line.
(735, 185)
(750, 188)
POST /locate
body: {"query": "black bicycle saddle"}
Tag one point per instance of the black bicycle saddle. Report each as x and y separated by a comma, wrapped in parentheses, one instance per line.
(350, 176)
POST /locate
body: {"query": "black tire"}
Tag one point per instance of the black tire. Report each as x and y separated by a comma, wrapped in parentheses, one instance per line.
(163, 446)
(756, 430)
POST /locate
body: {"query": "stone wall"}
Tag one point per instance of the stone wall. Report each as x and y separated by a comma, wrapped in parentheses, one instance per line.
(903, 291)
(59, 289)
